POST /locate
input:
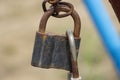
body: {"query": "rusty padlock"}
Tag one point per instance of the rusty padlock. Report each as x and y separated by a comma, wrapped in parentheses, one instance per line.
(53, 51)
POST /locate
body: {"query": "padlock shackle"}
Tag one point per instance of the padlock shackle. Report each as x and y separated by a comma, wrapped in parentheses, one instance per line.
(44, 20)
(77, 24)
(74, 15)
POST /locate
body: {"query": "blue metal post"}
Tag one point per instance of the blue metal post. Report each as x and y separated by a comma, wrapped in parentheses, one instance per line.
(106, 29)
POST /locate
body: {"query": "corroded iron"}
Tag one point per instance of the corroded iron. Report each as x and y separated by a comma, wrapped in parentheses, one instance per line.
(116, 6)
(51, 50)
(74, 14)
(74, 54)
(57, 4)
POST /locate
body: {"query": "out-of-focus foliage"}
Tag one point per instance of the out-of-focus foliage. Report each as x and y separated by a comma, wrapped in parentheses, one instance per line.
(19, 20)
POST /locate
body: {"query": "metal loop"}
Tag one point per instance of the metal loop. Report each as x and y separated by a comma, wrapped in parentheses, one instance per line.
(59, 8)
(74, 14)
(73, 52)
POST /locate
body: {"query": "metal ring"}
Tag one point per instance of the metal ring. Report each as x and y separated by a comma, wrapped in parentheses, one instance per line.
(61, 5)
(74, 15)
(57, 8)
(72, 44)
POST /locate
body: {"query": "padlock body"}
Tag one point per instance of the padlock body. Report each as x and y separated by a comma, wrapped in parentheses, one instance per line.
(52, 51)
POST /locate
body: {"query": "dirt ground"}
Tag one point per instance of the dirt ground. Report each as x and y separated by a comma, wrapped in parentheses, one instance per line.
(19, 20)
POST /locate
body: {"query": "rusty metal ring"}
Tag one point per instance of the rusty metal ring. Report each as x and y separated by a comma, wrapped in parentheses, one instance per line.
(57, 10)
(74, 14)
(59, 7)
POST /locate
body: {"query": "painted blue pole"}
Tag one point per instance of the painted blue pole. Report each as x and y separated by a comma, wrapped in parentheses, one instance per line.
(106, 29)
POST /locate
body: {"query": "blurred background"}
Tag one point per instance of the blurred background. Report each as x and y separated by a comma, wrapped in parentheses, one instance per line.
(19, 21)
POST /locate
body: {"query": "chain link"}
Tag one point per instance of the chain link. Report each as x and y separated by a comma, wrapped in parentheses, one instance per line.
(58, 7)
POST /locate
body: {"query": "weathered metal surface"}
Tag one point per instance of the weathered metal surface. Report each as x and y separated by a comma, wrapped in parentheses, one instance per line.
(56, 4)
(74, 15)
(116, 6)
(52, 51)
(74, 54)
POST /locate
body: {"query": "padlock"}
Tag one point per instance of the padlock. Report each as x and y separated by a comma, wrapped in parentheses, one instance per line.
(51, 50)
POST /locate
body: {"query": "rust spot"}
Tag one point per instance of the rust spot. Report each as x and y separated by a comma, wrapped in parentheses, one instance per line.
(44, 37)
